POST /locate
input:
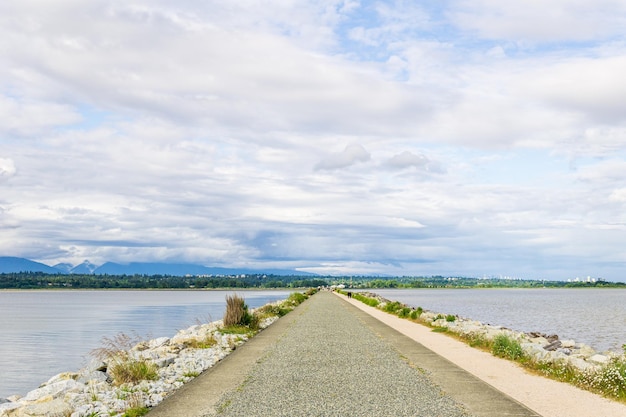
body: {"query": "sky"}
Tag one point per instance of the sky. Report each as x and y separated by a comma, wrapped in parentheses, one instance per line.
(344, 137)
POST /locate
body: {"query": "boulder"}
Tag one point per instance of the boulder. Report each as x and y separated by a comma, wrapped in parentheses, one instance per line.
(599, 359)
(54, 390)
(553, 346)
(53, 408)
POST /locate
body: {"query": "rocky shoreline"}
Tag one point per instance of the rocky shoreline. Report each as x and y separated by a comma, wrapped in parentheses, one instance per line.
(90, 392)
(538, 346)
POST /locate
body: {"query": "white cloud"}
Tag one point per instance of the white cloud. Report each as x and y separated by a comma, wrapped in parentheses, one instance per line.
(7, 168)
(214, 132)
(351, 155)
(538, 21)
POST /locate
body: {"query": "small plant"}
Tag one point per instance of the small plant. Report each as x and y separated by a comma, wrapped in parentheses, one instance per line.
(236, 311)
(450, 318)
(439, 317)
(392, 307)
(507, 347)
(133, 371)
(372, 302)
(296, 298)
(205, 343)
(478, 340)
(404, 312)
(440, 329)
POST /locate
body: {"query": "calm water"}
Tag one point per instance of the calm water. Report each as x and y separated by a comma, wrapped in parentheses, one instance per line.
(596, 317)
(44, 333)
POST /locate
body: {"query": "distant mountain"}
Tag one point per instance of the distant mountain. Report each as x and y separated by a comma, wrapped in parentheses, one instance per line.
(85, 268)
(12, 264)
(63, 267)
(9, 264)
(147, 268)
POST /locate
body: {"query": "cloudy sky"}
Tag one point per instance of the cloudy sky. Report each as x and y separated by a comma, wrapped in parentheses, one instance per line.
(452, 137)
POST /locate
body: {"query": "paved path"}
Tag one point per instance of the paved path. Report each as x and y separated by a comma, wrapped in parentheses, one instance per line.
(328, 358)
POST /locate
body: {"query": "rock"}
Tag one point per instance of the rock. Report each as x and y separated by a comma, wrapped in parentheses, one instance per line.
(161, 341)
(54, 390)
(98, 376)
(570, 344)
(53, 408)
(553, 346)
(63, 376)
(540, 340)
(8, 406)
(599, 359)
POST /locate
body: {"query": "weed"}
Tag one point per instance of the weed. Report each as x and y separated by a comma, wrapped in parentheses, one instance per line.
(478, 340)
(505, 346)
(204, 343)
(133, 371)
(440, 329)
(392, 307)
(450, 318)
(404, 312)
(415, 314)
(236, 311)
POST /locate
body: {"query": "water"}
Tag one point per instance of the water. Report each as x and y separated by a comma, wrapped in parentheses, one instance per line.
(44, 333)
(596, 317)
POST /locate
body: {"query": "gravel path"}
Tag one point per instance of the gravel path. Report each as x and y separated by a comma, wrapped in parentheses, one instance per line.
(329, 363)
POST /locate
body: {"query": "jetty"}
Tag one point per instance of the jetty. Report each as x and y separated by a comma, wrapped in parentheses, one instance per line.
(329, 357)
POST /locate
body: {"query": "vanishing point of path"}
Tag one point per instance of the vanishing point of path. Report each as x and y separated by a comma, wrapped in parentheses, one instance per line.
(328, 358)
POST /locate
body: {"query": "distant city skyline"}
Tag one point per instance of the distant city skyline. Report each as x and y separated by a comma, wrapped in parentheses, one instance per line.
(346, 137)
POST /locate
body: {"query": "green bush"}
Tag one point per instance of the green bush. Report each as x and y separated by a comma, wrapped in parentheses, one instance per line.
(507, 347)
(296, 298)
(392, 307)
(450, 318)
(404, 312)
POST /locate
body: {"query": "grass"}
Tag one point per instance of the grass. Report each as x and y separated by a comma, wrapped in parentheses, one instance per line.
(205, 343)
(506, 347)
(121, 366)
(237, 312)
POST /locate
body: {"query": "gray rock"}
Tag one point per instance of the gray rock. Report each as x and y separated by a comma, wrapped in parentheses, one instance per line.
(55, 390)
(54, 408)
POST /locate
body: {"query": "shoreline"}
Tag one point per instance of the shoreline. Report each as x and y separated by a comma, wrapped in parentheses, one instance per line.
(177, 360)
(546, 396)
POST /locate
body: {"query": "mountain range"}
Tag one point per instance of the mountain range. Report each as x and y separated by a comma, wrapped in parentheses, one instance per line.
(10, 264)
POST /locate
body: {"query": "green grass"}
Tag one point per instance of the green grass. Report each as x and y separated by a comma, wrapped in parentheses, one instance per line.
(133, 371)
(372, 302)
(136, 412)
(505, 346)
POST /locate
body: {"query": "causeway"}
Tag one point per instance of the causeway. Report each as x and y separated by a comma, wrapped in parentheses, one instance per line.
(330, 358)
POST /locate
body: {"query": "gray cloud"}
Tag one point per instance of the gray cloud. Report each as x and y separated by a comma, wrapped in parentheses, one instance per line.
(351, 155)
(208, 133)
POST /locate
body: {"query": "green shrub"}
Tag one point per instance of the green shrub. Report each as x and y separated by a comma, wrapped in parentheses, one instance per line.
(404, 312)
(392, 307)
(507, 347)
(296, 298)
(450, 318)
